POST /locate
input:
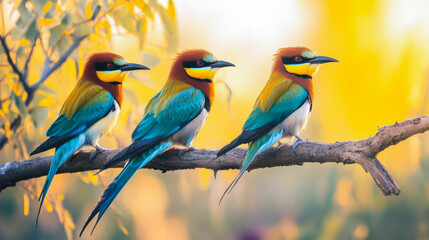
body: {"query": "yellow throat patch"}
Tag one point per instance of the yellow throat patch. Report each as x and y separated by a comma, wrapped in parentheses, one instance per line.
(302, 69)
(202, 73)
(112, 76)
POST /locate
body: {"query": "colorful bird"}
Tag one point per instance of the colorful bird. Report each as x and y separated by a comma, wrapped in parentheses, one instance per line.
(91, 110)
(282, 108)
(173, 117)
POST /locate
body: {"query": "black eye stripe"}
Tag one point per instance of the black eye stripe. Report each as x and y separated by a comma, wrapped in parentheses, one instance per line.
(291, 60)
(103, 66)
(194, 64)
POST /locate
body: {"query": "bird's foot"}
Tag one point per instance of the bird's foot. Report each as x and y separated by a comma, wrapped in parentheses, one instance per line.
(280, 145)
(98, 150)
(183, 151)
(296, 143)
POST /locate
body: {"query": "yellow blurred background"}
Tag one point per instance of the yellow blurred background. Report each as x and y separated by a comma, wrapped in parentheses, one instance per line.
(381, 78)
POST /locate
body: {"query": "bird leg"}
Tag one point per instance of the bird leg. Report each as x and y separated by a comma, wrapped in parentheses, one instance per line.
(183, 151)
(296, 143)
(98, 150)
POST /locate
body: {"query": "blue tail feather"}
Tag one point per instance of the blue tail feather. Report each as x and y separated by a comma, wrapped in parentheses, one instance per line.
(119, 182)
(255, 148)
(62, 153)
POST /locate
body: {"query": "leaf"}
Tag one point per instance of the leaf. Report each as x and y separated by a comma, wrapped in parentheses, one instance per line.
(26, 204)
(93, 178)
(81, 30)
(170, 27)
(125, 19)
(64, 45)
(129, 7)
(171, 9)
(5, 106)
(7, 129)
(47, 21)
(89, 8)
(56, 33)
(24, 14)
(145, 8)
(122, 227)
(20, 105)
(67, 20)
(24, 42)
(39, 6)
(47, 89)
(141, 28)
(31, 32)
(46, 102)
(46, 8)
(15, 5)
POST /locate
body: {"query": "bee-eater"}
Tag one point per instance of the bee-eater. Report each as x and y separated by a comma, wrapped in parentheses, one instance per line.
(173, 117)
(282, 108)
(91, 110)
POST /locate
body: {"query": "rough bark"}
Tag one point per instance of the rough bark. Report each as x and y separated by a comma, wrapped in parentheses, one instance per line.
(362, 152)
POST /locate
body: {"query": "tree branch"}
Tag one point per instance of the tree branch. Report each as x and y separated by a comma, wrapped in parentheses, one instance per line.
(361, 152)
(21, 77)
(47, 70)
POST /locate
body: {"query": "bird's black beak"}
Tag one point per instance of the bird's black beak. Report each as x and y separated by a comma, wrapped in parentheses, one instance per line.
(133, 66)
(221, 64)
(321, 59)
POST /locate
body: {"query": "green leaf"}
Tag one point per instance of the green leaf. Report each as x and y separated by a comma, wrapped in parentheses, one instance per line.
(67, 20)
(170, 27)
(38, 97)
(47, 89)
(56, 33)
(38, 6)
(125, 19)
(64, 45)
(32, 31)
(24, 14)
(20, 105)
(141, 27)
(81, 30)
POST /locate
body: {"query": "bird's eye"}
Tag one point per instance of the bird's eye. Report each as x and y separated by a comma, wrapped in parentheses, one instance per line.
(110, 65)
(200, 63)
(298, 59)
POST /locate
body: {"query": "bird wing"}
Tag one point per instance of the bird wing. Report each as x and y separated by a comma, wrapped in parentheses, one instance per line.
(269, 111)
(166, 116)
(84, 107)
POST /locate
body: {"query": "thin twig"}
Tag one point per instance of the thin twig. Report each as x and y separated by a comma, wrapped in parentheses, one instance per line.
(27, 62)
(49, 70)
(13, 64)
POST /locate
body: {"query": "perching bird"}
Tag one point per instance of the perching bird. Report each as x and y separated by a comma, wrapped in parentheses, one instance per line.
(173, 117)
(282, 108)
(90, 110)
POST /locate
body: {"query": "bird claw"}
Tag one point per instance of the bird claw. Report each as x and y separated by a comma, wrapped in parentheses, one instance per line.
(183, 151)
(98, 150)
(280, 145)
(295, 144)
